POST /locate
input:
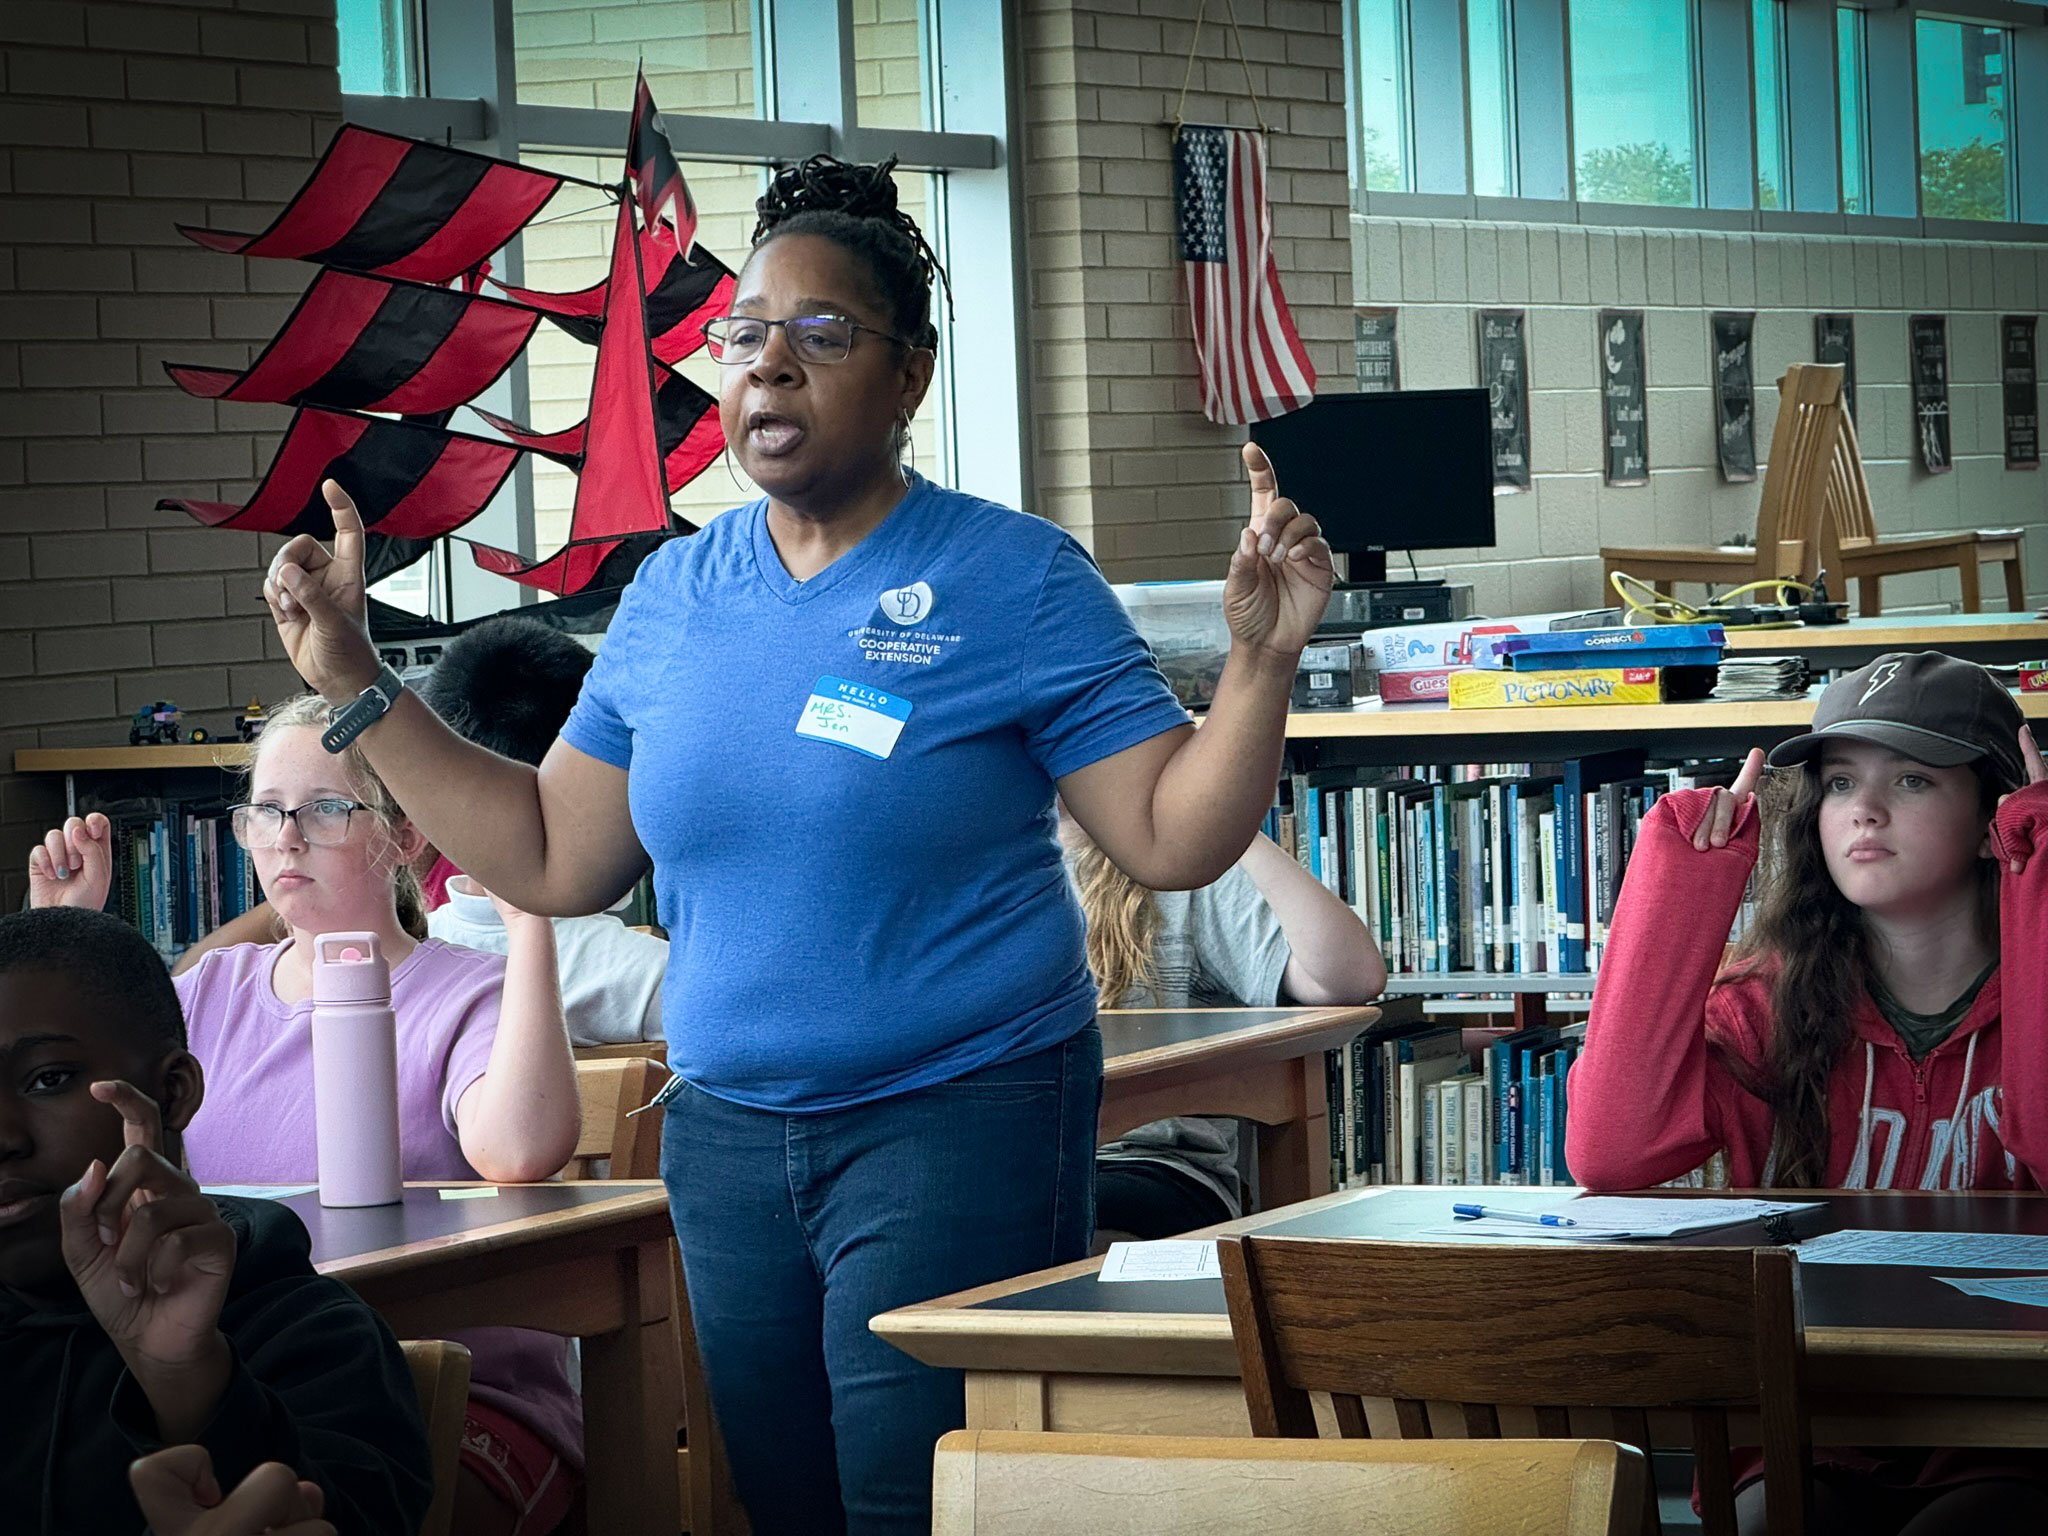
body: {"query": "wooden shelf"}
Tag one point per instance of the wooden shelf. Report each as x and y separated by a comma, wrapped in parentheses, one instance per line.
(209, 754)
(1441, 983)
(1727, 717)
(1988, 637)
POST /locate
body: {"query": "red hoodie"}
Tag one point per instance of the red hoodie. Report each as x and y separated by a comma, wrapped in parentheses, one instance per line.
(1650, 1102)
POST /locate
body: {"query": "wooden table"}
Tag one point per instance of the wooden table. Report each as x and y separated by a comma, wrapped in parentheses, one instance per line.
(585, 1260)
(1894, 1357)
(1259, 1064)
(1996, 639)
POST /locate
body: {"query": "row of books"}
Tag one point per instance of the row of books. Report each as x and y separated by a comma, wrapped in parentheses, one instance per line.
(1495, 867)
(178, 872)
(1412, 1103)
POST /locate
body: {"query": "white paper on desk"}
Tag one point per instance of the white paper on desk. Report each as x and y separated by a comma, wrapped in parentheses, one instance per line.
(1932, 1250)
(1609, 1218)
(1176, 1258)
(2027, 1290)
(258, 1191)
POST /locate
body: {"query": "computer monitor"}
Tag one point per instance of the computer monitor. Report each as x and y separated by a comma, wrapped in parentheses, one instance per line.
(1401, 469)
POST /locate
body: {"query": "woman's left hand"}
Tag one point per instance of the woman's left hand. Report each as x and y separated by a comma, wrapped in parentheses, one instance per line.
(1280, 574)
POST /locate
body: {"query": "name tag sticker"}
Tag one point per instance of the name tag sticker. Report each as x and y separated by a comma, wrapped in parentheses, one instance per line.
(850, 715)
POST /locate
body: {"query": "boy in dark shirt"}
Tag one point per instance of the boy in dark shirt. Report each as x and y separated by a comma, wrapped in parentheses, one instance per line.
(135, 1311)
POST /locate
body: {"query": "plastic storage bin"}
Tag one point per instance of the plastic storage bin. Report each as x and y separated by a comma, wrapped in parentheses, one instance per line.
(1183, 623)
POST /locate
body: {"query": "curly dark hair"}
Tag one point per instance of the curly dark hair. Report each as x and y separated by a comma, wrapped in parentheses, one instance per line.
(508, 685)
(105, 958)
(854, 206)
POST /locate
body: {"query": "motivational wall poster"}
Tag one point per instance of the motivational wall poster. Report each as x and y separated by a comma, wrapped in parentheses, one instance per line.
(1504, 373)
(1378, 355)
(1621, 396)
(1834, 341)
(1734, 395)
(1927, 349)
(2021, 383)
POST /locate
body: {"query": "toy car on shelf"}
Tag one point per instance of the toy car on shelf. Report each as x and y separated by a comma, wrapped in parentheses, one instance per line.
(249, 723)
(154, 725)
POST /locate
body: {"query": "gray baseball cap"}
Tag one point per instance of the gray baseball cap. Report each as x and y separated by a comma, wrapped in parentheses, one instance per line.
(1932, 708)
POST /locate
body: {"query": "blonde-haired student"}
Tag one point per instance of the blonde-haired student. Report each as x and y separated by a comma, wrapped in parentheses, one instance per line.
(1883, 1024)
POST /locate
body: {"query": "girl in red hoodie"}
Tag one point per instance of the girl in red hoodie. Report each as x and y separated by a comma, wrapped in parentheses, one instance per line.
(1893, 979)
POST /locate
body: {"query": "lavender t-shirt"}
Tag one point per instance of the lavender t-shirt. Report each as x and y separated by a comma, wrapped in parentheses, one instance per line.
(256, 1124)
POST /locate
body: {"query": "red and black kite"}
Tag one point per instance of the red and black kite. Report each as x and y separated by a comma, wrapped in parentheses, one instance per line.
(685, 425)
(681, 296)
(397, 207)
(376, 344)
(408, 480)
(665, 201)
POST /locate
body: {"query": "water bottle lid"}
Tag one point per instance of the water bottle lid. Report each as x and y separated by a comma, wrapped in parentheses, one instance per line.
(350, 968)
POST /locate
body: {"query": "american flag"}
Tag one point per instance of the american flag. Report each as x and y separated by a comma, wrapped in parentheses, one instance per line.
(1253, 364)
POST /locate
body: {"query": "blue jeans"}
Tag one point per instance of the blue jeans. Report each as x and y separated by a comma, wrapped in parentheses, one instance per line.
(797, 1229)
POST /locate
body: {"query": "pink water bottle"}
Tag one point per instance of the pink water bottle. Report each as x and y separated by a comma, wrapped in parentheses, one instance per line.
(355, 1072)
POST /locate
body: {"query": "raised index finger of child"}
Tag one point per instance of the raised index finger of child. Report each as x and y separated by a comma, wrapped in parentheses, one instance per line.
(2030, 754)
(141, 1123)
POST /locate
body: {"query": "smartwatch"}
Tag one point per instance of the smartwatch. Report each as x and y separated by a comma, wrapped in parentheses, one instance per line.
(348, 721)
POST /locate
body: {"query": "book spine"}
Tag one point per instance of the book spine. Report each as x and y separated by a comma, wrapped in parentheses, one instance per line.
(1451, 1131)
(1472, 1119)
(1550, 925)
(1431, 1133)
(1570, 871)
(1361, 1127)
(1546, 1125)
(1333, 1095)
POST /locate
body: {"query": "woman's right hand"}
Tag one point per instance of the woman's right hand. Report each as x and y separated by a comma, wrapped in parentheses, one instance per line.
(73, 866)
(1718, 824)
(316, 599)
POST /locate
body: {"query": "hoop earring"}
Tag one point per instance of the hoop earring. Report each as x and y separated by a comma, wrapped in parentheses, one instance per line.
(730, 473)
(903, 433)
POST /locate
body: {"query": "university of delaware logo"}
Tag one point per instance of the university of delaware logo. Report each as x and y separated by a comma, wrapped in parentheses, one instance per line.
(907, 605)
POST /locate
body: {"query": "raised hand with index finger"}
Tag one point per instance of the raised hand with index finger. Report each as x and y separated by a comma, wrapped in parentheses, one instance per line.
(1718, 825)
(316, 600)
(1281, 572)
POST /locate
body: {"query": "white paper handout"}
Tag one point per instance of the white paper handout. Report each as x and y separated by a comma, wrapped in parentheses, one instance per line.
(1931, 1250)
(2027, 1290)
(1612, 1218)
(1176, 1258)
(258, 1191)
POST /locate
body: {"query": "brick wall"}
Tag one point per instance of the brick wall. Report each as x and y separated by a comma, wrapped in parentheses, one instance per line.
(1122, 454)
(1547, 553)
(117, 122)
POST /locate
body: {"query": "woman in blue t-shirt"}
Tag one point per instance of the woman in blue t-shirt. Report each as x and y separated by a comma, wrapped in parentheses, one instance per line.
(834, 721)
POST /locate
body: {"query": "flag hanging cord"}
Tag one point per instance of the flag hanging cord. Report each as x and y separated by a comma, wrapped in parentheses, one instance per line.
(1258, 112)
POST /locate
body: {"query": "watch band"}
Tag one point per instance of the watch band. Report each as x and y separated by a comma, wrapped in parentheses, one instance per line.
(350, 720)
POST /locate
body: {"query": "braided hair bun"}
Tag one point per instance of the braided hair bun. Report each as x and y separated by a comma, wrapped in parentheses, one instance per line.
(854, 206)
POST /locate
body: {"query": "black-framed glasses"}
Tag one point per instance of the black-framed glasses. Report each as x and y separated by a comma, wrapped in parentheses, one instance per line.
(322, 823)
(813, 338)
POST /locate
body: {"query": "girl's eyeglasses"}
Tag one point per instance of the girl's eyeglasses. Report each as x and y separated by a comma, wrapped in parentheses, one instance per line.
(322, 823)
(813, 338)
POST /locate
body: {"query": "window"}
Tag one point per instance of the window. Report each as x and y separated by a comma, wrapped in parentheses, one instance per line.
(1767, 54)
(1632, 102)
(379, 47)
(699, 55)
(1383, 159)
(1964, 124)
(1490, 81)
(890, 67)
(1852, 97)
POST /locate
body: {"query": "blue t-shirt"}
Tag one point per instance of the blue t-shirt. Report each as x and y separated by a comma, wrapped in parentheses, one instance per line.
(845, 925)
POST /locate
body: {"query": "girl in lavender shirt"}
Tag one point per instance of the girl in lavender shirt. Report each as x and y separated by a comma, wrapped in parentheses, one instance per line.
(487, 1086)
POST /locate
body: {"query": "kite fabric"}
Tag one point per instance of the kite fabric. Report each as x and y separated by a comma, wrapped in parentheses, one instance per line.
(681, 295)
(396, 207)
(665, 201)
(685, 424)
(1253, 364)
(409, 481)
(375, 344)
(621, 487)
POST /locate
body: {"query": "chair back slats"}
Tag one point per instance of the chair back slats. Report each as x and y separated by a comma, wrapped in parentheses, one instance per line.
(1349, 1409)
(610, 1090)
(1628, 1330)
(1713, 1472)
(1796, 484)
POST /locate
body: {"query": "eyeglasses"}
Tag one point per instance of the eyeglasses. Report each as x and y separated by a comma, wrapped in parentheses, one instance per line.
(813, 338)
(322, 823)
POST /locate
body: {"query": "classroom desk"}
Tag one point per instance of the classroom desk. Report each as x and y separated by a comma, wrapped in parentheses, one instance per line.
(1894, 1357)
(1260, 1064)
(585, 1260)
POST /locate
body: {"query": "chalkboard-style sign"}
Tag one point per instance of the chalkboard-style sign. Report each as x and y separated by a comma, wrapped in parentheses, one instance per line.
(2021, 383)
(1378, 357)
(1504, 374)
(1621, 395)
(1734, 395)
(1927, 346)
(1834, 341)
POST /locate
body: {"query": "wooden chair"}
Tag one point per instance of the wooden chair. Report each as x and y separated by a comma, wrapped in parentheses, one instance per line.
(1005, 1483)
(1852, 549)
(440, 1374)
(628, 1145)
(1789, 508)
(1533, 1332)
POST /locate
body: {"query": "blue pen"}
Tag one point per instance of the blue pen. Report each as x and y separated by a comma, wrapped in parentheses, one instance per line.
(1474, 1212)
